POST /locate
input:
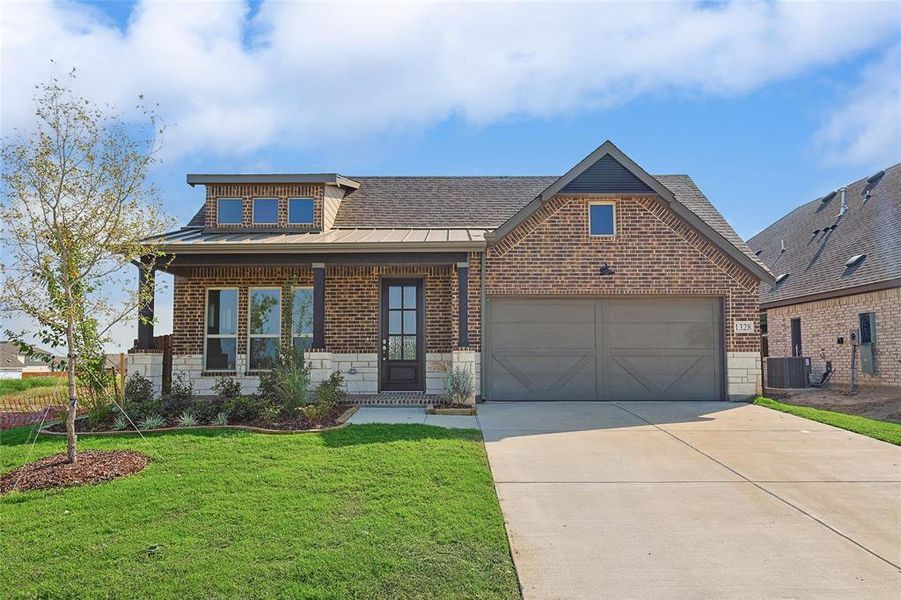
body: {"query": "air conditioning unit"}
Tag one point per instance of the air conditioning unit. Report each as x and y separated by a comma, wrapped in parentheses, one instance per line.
(788, 372)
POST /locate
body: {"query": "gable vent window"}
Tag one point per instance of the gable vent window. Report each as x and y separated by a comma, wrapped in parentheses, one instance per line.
(300, 211)
(602, 219)
(855, 260)
(229, 211)
(265, 211)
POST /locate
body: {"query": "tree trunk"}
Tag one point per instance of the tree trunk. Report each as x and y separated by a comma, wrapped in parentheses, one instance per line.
(71, 438)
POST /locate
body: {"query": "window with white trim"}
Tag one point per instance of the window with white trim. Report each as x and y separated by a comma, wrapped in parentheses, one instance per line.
(264, 327)
(265, 211)
(229, 211)
(602, 218)
(302, 320)
(221, 332)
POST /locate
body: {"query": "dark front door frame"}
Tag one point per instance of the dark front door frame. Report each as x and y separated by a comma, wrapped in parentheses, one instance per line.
(389, 368)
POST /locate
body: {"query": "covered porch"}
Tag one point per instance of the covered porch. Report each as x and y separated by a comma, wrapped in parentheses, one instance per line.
(393, 323)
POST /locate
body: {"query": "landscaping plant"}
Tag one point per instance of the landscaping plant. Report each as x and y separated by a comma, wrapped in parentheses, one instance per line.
(329, 394)
(151, 422)
(187, 419)
(458, 386)
(77, 211)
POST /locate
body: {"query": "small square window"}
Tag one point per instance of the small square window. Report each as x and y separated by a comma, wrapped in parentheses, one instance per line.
(602, 219)
(265, 211)
(229, 211)
(300, 211)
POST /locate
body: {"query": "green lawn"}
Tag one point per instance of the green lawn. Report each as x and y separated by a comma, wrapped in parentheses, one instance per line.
(13, 386)
(370, 511)
(881, 430)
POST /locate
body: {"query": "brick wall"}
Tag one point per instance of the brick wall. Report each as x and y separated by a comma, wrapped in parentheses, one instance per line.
(248, 192)
(653, 252)
(823, 321)
(351, 300)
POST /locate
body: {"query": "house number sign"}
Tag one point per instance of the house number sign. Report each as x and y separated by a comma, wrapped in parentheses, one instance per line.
(744, 326)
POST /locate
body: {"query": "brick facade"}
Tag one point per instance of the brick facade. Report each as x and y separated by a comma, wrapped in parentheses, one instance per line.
(351, 301)
(824, 321)
(653, 252)
(247, 192)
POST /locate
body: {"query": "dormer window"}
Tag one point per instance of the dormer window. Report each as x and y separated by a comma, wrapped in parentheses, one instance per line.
(300, 211)
(602, 219)
(229, 211)
(265, 211)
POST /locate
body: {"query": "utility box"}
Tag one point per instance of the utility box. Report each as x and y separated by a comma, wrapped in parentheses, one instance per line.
(867, 340)
(788, 372)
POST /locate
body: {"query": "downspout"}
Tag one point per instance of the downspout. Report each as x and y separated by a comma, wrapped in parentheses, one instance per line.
(483, 294)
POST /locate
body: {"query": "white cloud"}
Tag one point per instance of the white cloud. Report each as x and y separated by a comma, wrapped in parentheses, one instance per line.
(348, 70)
(866, 130)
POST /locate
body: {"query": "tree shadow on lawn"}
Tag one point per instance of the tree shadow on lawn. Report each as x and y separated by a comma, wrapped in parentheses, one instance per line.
(351, 435)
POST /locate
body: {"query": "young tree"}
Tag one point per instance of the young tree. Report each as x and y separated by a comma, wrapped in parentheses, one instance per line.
(76, 210)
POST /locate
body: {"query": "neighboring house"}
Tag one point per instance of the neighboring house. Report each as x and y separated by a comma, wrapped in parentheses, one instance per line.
(44, 363)
(604, 284)
(838, 266)
(10, 364)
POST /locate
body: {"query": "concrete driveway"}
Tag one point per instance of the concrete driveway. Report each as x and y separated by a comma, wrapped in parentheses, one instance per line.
(693, 500)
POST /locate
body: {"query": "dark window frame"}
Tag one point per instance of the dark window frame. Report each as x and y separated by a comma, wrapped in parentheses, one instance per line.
(240, 203)
(305, 199)
(229, 336)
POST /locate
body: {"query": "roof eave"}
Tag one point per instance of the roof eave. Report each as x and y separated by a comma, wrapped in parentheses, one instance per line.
(323, 178)
(837, 293)
(314, 248)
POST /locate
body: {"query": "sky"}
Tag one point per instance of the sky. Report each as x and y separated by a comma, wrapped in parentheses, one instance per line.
(766, 105)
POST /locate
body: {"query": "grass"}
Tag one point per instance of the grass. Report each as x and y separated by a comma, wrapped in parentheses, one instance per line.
(14, 386)
(880, 430)
(369, 511)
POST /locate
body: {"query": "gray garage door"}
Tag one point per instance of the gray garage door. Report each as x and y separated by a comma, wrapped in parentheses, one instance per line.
(604, 349)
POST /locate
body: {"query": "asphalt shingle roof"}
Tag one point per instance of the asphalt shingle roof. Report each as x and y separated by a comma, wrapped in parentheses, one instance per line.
(815, 263)
(478, 202)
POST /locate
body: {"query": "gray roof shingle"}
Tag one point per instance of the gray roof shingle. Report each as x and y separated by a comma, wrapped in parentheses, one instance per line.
(478, 202)
(815, 264)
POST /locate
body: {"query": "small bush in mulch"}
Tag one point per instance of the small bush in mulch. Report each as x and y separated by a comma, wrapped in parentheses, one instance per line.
(92, 466)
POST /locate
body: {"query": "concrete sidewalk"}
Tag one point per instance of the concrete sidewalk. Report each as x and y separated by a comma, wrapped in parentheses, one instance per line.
(410, 414)
(693, 500)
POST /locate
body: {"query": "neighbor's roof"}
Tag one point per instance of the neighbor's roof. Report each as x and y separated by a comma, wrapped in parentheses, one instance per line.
(9, 356)
(443, 206)
(816, 252)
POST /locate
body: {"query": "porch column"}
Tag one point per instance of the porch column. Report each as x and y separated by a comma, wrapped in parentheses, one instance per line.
(319, 306)
(463, 304)
(146, 283)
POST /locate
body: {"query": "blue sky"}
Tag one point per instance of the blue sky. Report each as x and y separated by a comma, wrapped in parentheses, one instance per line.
(765, 105)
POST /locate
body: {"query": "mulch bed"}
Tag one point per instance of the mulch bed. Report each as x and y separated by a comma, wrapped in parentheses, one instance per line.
(92, 466)
(301, 423)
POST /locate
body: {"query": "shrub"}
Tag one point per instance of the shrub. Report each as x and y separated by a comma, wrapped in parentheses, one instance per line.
(187, 419)
(287, 384)
(138, 389)
(227, 387)
(151, 422)
(100, 413)
(331, 391)
(180, 397)
(119, 423)
(205, 409)
(242, 409)
(458, 388)
(220, 419)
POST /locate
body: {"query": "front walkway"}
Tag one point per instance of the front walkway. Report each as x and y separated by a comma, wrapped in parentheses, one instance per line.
(396, 414)
(693, 500)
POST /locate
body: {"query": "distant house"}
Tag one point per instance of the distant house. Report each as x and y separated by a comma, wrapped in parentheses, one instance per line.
(10, 364)
(15, 363)
(837, 261)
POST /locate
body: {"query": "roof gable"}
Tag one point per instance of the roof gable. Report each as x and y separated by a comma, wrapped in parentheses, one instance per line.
(606, 175)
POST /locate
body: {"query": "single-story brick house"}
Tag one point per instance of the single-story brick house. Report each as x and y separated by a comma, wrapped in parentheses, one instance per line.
(605, 283)
(838, 266)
